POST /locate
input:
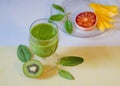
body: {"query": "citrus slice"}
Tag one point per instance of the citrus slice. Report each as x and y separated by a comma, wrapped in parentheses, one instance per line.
(86, 20)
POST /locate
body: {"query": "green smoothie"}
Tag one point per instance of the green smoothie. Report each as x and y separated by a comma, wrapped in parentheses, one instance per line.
(44, 39)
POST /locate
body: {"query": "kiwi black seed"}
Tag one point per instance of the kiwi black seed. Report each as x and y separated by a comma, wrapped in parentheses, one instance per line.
(32, 68)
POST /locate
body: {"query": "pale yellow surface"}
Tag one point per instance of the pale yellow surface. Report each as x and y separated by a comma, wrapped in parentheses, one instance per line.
(100, 68)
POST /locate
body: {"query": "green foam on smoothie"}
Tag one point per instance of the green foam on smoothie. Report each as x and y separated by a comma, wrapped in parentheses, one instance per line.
(43, 31)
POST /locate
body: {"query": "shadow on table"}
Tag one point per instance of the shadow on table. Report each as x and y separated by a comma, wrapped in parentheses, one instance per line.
(51, 71)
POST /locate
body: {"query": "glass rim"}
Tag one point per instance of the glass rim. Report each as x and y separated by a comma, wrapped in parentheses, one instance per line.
(38, 23)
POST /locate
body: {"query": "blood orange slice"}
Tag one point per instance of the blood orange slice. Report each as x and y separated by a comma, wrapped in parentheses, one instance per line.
(86, 20)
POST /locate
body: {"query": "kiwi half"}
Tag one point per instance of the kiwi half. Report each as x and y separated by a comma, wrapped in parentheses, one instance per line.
(32, 68)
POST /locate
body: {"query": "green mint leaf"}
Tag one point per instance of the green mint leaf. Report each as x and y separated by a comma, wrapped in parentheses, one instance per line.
(23, 53)
(57, 17)
(65, 74)
(71, 61)
(58, 7)
(68, 26)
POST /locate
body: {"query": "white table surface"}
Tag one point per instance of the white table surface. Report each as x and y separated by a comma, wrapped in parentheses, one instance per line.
(17, 15)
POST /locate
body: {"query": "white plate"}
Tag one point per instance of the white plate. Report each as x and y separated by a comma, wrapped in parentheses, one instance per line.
(75, 7)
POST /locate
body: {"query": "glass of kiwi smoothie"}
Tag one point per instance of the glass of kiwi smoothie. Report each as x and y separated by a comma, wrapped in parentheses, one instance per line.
(43, 37)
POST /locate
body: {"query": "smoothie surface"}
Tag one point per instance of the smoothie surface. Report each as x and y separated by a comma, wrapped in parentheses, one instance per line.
(43, 31)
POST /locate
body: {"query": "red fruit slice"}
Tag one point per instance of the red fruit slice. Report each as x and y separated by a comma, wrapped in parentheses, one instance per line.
(86, 20)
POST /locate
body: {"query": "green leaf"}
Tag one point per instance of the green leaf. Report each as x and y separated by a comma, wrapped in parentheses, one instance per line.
(57, 17)
(65, 74)
(23, 53)
(71, 61)
(58, 7)
(68, 26)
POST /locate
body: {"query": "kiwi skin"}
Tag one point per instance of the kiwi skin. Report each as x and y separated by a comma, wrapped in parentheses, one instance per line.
(38, 68)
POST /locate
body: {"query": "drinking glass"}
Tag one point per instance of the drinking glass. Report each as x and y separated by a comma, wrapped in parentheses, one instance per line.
(43, 38)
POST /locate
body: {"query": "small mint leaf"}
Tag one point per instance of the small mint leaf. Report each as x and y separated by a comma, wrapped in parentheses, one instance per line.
(71, 61)
(56, 17)
(58, 7)
(68, 26)
(65, 74)
(23, 53)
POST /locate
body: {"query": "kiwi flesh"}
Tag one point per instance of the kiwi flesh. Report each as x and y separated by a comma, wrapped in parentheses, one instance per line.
(32, 68)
